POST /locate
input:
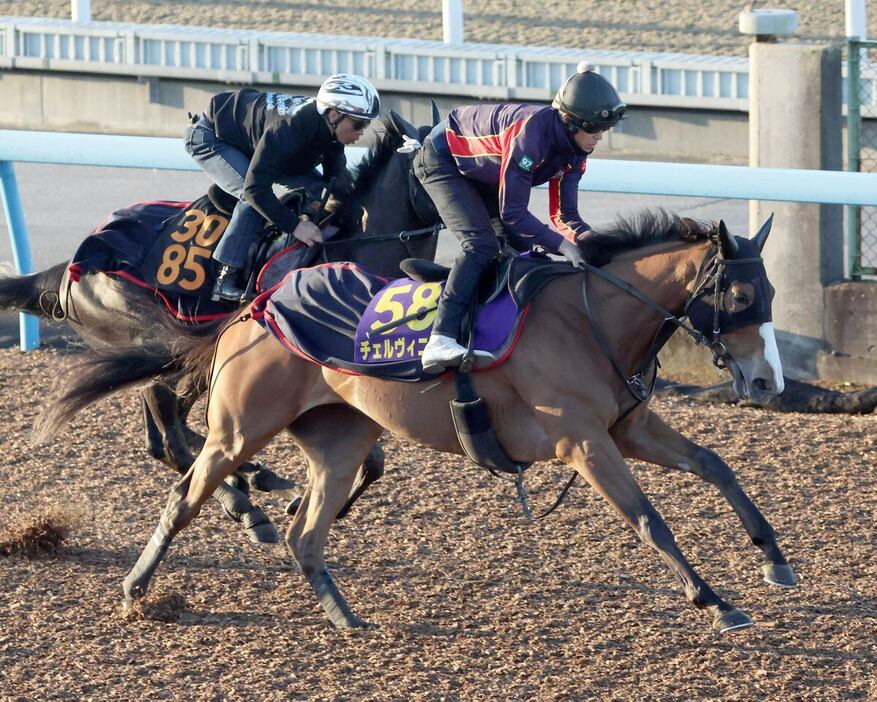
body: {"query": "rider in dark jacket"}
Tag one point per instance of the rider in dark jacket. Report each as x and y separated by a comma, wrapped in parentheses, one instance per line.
(249, 140)
(482, 162)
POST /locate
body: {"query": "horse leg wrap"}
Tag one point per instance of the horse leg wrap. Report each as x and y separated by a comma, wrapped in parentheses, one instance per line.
(255, 522)
(332, 601)
(137, 581)
(259, 527)
(233, 501)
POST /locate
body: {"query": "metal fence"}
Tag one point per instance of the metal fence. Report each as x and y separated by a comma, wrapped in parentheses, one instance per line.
(862, 153)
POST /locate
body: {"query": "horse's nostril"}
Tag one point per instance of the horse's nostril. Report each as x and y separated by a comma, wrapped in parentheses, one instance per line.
(762, 385)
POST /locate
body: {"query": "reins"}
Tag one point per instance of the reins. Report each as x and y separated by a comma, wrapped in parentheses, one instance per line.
(712, 270)
(404, 236)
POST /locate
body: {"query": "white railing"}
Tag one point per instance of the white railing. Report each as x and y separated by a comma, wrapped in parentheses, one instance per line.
(603, 176)
(492, 71)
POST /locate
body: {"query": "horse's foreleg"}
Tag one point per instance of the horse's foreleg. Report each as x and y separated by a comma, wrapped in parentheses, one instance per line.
(600, 463)
(649, 438)
(333, 465)
(165, 415)
(244, 415)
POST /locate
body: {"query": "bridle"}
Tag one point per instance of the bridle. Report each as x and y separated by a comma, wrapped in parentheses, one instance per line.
(423, 209)
(713, 270)
(711, 279)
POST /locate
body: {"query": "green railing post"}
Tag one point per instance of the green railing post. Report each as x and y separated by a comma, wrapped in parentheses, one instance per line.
(854, 126)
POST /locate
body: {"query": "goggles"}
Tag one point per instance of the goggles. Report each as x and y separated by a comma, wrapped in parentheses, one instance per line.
(600, 118)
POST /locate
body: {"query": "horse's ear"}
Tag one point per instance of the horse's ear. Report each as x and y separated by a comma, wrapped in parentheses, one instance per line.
(403, 125)
(727, 242)
(761, 235)
(436, 115)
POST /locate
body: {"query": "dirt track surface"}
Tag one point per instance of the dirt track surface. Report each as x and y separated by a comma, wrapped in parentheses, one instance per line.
(688, 26)
(471, 602)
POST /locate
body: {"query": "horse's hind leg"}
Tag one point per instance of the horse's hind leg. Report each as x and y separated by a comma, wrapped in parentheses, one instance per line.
(333, 465)
(647, 437)
(249, 475)
(166, 442)
(600, 463)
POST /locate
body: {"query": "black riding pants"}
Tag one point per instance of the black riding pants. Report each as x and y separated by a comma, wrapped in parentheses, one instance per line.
(465, 207)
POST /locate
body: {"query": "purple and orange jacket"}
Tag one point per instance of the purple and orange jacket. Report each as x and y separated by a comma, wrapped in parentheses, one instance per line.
(514, 148)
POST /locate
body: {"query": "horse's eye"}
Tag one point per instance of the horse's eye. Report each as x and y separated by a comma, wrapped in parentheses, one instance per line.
(739, 296)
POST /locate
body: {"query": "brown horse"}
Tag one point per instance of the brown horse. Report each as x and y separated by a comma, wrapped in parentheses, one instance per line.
(563, 393)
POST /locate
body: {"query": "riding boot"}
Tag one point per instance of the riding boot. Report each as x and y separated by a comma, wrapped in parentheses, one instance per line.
(229, 284)
(441, 352)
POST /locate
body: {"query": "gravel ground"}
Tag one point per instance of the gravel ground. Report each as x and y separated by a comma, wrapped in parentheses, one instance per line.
(472, 603)
(634, 25)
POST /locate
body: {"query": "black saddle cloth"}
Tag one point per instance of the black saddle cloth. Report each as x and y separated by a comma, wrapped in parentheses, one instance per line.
(167, 247)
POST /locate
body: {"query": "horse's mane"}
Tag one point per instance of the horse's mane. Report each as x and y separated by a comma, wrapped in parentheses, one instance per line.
(646, 228)
(366, 173)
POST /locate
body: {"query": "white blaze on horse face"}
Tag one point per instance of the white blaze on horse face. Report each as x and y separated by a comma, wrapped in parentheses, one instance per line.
(772, 355)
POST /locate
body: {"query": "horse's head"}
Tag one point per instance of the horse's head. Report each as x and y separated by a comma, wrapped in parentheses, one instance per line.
(731, 307)
(387, 203)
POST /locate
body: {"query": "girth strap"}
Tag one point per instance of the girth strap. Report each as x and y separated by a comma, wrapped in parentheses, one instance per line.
(481, 446)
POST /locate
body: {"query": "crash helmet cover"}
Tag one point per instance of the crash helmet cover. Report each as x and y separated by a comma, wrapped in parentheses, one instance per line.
(349, 94)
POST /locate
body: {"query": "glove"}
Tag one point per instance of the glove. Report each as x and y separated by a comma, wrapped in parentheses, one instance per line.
(308, 233)
(571, 252)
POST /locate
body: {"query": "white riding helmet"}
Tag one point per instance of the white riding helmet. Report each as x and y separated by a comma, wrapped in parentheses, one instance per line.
(350, 95)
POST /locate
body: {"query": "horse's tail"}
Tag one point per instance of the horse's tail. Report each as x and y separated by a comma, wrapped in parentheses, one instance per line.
(25, 293)
(107, 371)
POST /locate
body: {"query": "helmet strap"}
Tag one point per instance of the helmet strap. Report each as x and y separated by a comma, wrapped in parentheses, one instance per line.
(333, 124)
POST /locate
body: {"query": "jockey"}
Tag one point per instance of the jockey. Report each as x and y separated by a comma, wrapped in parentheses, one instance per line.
(482, 161)
(248, 140)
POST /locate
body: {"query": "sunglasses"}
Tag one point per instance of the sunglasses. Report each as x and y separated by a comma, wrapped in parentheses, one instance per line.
(360, 125)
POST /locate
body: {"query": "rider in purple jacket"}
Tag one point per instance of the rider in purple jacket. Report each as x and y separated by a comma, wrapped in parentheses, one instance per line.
(482, 162)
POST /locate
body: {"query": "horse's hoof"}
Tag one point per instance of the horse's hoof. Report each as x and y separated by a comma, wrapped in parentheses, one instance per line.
(351, 622)
(267, 480)
(293, 506)
(781, 575)
(131, 593)
(730, 620)
(259, 528)
(265, 533)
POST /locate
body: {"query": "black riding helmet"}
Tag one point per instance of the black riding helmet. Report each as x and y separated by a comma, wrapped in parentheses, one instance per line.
(589, 99)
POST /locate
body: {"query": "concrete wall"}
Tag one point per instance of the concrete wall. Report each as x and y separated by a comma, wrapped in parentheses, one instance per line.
(157, 107)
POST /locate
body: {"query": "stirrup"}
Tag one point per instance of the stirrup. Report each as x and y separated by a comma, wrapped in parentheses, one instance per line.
(226, 286)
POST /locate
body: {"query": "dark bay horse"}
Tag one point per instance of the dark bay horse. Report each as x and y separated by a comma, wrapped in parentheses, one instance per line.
(563, 393)
(111, 312)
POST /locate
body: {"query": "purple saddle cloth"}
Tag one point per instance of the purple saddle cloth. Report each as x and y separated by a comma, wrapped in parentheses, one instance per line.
(343, 317)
